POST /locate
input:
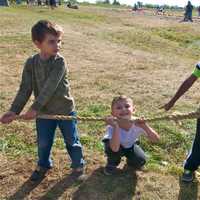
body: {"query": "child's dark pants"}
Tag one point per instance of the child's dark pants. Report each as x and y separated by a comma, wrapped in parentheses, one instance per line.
(193, 160)
(135, 155)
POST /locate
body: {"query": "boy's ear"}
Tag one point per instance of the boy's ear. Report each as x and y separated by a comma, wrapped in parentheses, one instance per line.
(37, 43)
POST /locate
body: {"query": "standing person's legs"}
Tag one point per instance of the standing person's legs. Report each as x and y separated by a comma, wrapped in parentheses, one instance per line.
(45, 136)
(185, 16)
(190, 16)
(193, 160)
(73, 145)
(135, 156)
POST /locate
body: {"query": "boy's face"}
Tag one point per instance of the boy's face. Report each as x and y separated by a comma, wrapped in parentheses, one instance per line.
(123, 109)
(50, 46)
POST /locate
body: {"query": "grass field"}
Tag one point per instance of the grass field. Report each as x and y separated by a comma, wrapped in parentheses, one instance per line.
(109, 51)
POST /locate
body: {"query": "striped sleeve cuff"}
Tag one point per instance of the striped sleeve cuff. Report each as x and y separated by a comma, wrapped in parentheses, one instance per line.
(196, 72)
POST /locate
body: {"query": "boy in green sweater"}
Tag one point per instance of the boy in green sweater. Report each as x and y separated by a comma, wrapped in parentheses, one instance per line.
(45, 74)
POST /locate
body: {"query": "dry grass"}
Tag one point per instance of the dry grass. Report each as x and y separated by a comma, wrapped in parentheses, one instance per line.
(105, 58)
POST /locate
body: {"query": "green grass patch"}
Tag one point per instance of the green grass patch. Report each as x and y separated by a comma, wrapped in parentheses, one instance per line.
(184, 36)
(13, 146)
(165, 40)
(60, 14)
(92, 143)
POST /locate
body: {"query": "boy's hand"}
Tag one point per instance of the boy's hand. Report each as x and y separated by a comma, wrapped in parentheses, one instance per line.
(111, 121)
(8, 117)
(30, 114)
(140, 122)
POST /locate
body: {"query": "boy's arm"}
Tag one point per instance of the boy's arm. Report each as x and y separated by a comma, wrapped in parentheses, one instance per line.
(50, 85)
(25, 89)
(115, 140)
(150, 132)
(182, 89)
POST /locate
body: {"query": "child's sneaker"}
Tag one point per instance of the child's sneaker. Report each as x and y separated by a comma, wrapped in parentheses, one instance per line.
(110, 170)
(187, 176)
(79, 174)
(39, 173)
(76, 172)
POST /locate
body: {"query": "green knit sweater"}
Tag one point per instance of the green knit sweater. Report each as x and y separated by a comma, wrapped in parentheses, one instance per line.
(48, 81)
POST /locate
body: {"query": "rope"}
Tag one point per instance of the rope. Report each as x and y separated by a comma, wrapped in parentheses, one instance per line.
(173, 117)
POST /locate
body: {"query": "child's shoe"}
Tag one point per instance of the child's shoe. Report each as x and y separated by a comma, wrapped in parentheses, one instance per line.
(187, 176)
(77, 171)
(79, 174)
(110, 170)
(39, 173)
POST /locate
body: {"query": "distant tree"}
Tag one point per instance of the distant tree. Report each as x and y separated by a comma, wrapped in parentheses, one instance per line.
(149, 5)
(115, 2)
(106, 1)
(72, 1)
(103, 2)
(166, 6)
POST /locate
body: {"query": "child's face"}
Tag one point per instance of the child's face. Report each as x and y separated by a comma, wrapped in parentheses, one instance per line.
(123, 109)
(50, 46)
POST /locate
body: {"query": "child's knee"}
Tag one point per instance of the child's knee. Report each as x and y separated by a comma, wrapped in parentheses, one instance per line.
(138, 163)
(109, 151)
(142, 162)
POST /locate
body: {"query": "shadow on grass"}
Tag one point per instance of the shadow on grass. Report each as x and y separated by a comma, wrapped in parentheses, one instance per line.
(25, 189)
(59, 188)
(188, 191)
(99, 186)
(54, 193)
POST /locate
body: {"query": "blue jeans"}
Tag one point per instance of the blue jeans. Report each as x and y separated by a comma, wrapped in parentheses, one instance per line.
(45, 137)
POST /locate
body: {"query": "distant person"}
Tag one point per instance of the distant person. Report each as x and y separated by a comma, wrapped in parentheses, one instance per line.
(69, 5)
(121, 137)
(198, 11)
(135, 7)
(52, 4)
(188, 12)
(39, 2)
(160, 10)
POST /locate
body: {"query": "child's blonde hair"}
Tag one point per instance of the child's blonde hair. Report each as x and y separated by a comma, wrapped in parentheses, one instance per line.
(120, 98)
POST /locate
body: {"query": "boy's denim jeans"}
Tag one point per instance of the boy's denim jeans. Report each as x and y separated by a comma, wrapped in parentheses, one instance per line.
(45, 137)
(193, 160)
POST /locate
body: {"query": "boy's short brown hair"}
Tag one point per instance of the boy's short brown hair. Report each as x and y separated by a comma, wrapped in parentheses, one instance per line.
(42, 27)
(120, 98)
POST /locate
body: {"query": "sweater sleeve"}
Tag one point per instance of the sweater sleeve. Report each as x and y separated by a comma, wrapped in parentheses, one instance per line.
(196, 71)
(25, 88)
(51, 84)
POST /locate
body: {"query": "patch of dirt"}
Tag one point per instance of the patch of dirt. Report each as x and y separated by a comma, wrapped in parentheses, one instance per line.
(59, 184)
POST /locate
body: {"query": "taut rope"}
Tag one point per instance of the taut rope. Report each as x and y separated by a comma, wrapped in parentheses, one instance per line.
(173, 117)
